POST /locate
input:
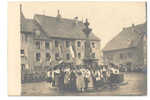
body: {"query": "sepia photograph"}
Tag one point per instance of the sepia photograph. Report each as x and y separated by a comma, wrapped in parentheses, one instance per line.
(81, 48)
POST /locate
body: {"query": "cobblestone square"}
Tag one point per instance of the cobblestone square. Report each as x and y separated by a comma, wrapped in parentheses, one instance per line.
(137, 85)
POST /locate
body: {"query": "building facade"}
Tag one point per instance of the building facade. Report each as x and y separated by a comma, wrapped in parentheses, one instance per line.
(46, 39)
(129, 47)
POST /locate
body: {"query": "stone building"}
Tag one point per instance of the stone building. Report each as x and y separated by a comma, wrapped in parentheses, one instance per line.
(129, 47)
(46, 39)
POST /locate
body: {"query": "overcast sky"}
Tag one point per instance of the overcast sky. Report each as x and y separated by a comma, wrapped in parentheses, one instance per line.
(106, 18)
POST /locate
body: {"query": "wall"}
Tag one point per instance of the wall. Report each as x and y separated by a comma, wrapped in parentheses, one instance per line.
(145, 49)
(129, 55)
(30, 51)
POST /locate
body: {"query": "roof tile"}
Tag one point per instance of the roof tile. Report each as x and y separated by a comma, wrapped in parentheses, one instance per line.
(62, 28)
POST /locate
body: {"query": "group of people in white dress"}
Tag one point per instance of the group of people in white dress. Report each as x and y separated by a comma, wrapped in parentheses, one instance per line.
(80, 79)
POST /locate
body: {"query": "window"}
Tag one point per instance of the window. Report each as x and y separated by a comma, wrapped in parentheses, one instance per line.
(93, 45)
(85, 44)
(38, 56)
(79, 55)
(26, 37)
(67, 43)
(47, 44)
(110, 57)
(121, 56)
(22, 37)
(129, 54)
(93, 55)
(68, 56)
(79, 43)
(22, 67)
(22, 51)
(48, 57)
(38, 44)
(56, 56)
(56, 43)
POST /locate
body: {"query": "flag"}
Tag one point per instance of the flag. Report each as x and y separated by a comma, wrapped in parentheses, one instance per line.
(27, 67)
(74, 49)
(50, 59)
(72, 52)
(59, 50)
(59, 62)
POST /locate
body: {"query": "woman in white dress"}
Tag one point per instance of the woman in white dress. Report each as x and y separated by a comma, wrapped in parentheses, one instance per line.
(80, 82)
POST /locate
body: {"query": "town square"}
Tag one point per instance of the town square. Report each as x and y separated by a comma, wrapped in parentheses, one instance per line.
(64, 56)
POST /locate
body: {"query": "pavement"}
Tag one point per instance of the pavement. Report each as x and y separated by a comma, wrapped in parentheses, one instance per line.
(135, 84)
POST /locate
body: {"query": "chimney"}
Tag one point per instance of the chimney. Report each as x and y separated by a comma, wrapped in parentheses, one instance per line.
(75, 20)
(20, 7)
(58, 14)
(21, 17)
(133, 25)
(133, 30)
(124, 28)
(58, 17)
(146, 11)
(82, 20)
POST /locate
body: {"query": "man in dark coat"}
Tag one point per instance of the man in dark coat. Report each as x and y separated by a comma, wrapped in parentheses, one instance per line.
(72, 81)
(61, 80)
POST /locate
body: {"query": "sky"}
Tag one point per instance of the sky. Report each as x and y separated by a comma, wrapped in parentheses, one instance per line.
(106, 19)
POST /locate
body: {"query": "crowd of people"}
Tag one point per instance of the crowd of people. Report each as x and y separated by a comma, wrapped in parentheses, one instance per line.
(80, 78)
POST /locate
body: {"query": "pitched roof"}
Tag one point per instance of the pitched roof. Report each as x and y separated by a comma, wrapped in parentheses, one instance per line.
(62, 28)
(27, 25)
(128, 37)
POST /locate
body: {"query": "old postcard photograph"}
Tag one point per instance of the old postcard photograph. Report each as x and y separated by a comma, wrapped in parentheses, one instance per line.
(78, 48)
